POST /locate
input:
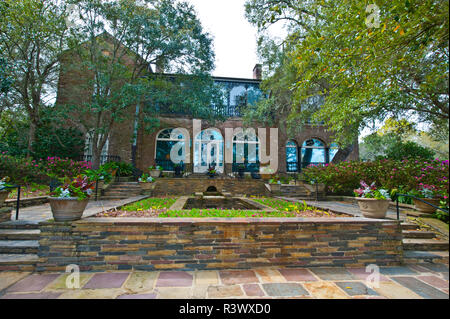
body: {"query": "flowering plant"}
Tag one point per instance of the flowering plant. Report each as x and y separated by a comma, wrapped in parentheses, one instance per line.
(145, 178)
(211, 170)
(81, 187)
(366, 191)
(425, 191)
(4, 183)
(155, 168)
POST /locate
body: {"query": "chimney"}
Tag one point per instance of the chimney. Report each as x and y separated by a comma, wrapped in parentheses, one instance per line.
(257, 72)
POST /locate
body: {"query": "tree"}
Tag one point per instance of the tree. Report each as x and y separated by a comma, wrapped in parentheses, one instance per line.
(364, 71)
(32, 37)
(164, 32)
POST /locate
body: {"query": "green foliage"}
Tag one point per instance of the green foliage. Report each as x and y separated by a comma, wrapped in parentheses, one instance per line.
(410, 150)
(27, 170)
(364, 72)
(5, 78)
(80, 187)
(161, 32)
(403, 176)
(33, 34)
(150, 203)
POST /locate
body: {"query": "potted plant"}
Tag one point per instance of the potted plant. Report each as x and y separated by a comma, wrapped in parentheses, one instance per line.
(155, 172)
(241, 170)
(4, 189)
(69, 201)
(429, 194)
(146, 182)
(314, 185)
(211, 171)
(372, 202)
(275, 184)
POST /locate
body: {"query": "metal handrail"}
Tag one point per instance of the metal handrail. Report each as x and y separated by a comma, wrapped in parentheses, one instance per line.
(18, 197)
(414, 197)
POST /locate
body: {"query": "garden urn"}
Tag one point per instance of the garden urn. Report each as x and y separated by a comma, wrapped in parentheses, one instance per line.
(425, 208)
(275, 187)
(155, 173)
(67, 209)
(373, 208)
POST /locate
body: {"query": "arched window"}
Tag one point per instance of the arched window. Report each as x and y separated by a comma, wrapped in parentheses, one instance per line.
(170, 148)
(334, 148)
(313, 152)
(291, 156)
(208, 151)
(246, 151)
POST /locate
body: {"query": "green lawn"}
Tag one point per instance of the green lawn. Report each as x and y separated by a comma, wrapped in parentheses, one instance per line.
(159, 207)
(150, 203)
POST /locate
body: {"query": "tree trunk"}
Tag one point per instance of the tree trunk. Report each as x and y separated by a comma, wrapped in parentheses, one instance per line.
(31, 136)
(96, 153)
(342, 154)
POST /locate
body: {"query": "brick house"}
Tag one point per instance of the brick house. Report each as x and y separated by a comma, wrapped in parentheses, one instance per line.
(313, 145)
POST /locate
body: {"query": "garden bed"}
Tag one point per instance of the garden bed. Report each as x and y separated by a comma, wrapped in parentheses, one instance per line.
(269, 207)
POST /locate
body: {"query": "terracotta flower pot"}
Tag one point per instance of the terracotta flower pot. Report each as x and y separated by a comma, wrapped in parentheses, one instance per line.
(67, 209)
(373, 208)
(155, 173)
(147, 186)
(3, 196)
(424, 208)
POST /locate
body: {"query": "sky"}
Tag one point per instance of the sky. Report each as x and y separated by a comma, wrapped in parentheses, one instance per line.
(234, 37)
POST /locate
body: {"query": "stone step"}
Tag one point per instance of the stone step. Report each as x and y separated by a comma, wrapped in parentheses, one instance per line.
(418, 234)
(19, 246)
(15, 259)
(415, 256)
(19, 234)
(425, 244)
(113, 197)
(19, 224)
(409, 226)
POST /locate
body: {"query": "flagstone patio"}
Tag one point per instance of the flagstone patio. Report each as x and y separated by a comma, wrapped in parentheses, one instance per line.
(421, 281)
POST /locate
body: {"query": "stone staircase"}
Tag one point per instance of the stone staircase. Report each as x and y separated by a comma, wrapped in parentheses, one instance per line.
(122, 190)
(19, 246)
(421, 245)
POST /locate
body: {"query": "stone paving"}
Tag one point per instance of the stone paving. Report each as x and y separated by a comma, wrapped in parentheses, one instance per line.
(419, 281)
(35, 214)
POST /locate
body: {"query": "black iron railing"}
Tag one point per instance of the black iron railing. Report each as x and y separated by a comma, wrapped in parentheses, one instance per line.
(103, 158)
(416, 198)
(291, 167)
(18, 197)
(248, 167)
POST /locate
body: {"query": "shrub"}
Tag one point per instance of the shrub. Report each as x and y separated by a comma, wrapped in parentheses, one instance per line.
(27, 170)
(403, 176)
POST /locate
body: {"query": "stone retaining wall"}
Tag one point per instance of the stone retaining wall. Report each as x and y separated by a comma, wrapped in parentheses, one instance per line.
(189, 186)
(98, 244)
(27, 202)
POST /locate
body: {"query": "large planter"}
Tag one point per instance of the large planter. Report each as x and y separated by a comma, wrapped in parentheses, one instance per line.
(67, 209)
(373, 208)
(275, 187)
(147, 186)
(155, 173)
(3, 196)
(424, 208)
(313, 187)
